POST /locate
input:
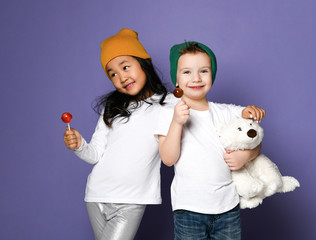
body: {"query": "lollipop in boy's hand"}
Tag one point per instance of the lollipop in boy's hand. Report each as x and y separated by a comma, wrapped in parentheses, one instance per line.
(66, 117)
(178, 92)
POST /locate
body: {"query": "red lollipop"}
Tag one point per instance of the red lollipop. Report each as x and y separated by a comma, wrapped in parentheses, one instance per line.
(66, 117)
(178, 92)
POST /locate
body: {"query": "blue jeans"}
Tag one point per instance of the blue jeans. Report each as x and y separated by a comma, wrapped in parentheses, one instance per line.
(196, 226)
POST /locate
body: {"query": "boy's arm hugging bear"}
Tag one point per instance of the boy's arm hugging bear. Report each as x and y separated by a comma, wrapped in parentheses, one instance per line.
(237, 159)
(260, 177)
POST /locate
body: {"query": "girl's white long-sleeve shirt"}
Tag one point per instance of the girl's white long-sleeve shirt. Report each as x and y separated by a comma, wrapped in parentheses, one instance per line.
(126, 159)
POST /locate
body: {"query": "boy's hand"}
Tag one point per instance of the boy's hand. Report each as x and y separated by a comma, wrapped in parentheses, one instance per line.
(181, 113)
(72, 139)
(253, 112)
(237, 159)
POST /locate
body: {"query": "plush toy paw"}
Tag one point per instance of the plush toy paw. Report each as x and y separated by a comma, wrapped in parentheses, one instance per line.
(250, 203)
(248, 186)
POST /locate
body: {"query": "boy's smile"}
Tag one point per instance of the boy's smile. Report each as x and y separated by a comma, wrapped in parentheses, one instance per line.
(196, 87)
(194, 76)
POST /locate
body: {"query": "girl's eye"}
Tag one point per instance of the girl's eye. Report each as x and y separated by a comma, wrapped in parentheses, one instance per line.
(113, 75)
(186, 72)
(125, 67)
(239, 129)
(204, 71)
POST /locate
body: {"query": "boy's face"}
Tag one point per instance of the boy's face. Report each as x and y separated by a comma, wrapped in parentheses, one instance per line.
(194, 75)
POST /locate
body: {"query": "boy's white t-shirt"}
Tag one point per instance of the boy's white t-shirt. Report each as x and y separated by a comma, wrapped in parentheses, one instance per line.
(126, 159)
(202, 181)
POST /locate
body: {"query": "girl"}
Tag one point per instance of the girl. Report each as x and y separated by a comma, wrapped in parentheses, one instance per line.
(123, 150)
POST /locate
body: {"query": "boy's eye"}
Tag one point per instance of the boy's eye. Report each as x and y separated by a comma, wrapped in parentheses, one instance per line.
(204, 71)
(113, 75)
(125, 67)
(186, 72)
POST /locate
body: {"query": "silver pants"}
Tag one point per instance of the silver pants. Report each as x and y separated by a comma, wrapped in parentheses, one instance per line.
(111, 221)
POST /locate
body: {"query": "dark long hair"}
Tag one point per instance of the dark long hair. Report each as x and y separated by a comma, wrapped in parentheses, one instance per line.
(115, 104)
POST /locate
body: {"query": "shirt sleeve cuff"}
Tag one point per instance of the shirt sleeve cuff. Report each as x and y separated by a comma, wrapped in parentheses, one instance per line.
(83, 144)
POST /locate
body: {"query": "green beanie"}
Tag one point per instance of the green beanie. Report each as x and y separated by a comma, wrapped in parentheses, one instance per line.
(175, 54)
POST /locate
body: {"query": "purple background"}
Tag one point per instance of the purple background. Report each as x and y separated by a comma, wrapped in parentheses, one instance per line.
(49, 60)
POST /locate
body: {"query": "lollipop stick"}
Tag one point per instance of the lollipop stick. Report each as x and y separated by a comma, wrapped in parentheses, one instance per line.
(68, 126)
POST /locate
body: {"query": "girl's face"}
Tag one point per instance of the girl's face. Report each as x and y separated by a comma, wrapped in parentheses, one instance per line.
(194, 75)
(126, 75)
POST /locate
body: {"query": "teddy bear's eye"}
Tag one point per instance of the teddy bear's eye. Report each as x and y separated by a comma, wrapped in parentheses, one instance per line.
(239, 129)
(250, 124)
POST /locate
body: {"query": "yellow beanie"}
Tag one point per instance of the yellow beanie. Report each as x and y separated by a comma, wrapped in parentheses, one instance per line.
(124, 43)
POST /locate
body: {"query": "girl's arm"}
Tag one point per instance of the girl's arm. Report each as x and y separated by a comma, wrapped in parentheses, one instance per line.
(93, 151)
(170, 145)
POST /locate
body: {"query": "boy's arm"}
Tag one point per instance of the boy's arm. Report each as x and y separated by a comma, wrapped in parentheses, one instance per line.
(170, 145)
(237, 159)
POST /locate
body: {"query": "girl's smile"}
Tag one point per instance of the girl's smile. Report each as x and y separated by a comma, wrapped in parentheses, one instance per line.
(130, 85)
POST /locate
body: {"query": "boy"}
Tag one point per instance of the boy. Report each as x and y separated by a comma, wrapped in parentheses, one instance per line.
(204, 198)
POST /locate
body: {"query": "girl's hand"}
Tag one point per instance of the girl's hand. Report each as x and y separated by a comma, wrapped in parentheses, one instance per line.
(181, 113)
(72, 139)
(253, 112)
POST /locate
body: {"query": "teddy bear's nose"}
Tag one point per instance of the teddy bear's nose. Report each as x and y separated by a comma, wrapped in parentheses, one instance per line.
(252, 133)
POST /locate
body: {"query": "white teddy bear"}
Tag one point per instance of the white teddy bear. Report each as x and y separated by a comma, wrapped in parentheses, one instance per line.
(260, 177)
